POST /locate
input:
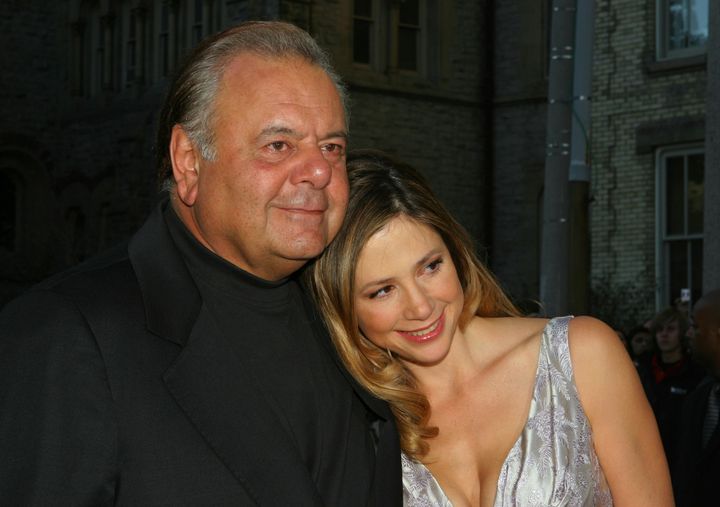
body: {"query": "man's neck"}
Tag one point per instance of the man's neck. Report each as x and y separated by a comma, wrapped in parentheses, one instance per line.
(672, 356)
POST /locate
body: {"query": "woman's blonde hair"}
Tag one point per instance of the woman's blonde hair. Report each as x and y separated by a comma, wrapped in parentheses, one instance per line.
(380, 189)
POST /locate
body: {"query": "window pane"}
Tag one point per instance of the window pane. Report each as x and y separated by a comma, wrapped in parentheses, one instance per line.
(361, 41)
(696, 195)
(687, 23)
(674, 195)
(677, 266)
(363, 8)
(8, 207)
(410, 12)
(698, 22)
(696, 257)
(407, 48)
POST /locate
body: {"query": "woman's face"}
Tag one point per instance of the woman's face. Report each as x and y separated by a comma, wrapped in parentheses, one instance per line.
(641, 342)
(668, 336)
(408, 297)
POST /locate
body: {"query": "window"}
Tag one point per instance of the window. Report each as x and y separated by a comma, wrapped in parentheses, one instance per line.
(363, 28)
(77, 78)
(165, 49)
(122, 45)
(9, 201)
(408, 35)
(390, 34)
(105, 51)
(134, 26)
(196, 29)
(682, 28)
(680, 223)
(203, 18)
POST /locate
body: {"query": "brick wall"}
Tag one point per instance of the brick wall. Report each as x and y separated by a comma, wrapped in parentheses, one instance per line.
(630, 89)
(94, 154)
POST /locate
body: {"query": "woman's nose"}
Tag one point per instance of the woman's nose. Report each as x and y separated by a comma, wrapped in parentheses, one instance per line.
(419, 304)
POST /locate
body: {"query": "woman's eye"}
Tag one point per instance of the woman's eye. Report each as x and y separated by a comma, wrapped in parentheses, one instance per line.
(380, 292)
(434, 265)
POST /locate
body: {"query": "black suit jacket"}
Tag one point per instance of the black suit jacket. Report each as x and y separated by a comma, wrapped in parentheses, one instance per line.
(117, 388)
(696, 470)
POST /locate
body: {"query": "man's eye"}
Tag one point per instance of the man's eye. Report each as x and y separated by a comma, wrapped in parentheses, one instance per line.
(334, 149)
(277, 145)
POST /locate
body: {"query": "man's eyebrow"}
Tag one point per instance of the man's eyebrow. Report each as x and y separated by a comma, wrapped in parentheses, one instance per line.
(274, 130)
(277, 129)
(339, 133)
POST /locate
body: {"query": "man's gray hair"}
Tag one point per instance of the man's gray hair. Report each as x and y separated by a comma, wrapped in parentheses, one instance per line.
(191, 96)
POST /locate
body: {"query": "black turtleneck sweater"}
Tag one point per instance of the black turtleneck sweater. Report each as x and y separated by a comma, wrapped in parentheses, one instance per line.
(272, 335)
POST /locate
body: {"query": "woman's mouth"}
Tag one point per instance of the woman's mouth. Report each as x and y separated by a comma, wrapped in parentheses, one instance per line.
(426, 333)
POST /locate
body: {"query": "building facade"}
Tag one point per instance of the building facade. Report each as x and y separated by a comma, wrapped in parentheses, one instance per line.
(649, 103)
(84, 79)
(458, 88)
(652, 211)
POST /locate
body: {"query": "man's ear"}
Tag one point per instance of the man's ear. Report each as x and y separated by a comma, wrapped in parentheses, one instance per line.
(185, 158)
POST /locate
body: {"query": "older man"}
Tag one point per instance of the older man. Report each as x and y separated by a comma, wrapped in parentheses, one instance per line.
(188, 368)
(698, 451)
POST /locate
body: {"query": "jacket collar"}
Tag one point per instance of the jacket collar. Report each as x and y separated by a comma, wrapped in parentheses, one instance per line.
(210, 385)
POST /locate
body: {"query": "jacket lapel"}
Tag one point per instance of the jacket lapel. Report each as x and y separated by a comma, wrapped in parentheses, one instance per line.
(387, 480)
(208, 380)
(226, 405)
(700, 408)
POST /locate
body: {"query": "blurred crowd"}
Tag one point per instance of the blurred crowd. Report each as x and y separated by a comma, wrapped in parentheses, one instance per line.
(677, 356)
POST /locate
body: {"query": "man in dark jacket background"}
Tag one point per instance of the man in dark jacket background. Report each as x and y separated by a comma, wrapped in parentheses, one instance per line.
(697, 464)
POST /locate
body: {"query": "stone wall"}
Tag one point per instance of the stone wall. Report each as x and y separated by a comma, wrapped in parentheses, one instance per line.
(638, 105)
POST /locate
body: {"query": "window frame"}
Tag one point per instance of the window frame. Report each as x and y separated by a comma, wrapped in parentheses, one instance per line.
(384, 37)
(663, 52)
(663, 298)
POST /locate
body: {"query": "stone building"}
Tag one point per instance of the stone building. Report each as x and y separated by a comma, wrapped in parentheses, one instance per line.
(83, 80)
(648, 153)
(456, 87)
(653, 206)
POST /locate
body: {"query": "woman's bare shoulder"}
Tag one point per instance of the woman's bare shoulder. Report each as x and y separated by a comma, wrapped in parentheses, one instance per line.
(592, 338)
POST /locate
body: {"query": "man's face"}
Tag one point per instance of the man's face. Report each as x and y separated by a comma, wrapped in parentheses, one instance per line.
(668, 337)
(276, 194)
(704, 334)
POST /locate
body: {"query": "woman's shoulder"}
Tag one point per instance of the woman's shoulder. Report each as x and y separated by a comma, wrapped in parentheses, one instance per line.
(590, 337)
(601, 364)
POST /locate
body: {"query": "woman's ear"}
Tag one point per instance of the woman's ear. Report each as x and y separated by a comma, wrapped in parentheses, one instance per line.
(185, 158)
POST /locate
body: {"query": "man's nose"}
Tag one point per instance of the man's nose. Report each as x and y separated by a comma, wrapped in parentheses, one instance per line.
(312, 168)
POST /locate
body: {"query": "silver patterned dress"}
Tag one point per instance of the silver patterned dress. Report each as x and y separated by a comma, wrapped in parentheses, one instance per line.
(553, 461)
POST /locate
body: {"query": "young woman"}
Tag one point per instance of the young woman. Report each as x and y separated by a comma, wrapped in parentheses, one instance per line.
(492, 408)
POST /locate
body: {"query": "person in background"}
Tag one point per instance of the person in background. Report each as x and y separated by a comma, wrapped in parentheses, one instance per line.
(188, 368)
(670, 374)
(642, 345)
(492, 408)
(696, 466)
